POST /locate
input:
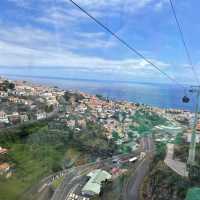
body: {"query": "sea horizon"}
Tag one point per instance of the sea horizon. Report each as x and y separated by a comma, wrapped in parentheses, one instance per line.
(160, 95)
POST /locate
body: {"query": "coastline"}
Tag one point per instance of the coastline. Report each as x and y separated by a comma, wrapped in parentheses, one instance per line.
(163, 96)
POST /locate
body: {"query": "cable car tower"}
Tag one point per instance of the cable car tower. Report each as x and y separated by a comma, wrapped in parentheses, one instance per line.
(191, 157)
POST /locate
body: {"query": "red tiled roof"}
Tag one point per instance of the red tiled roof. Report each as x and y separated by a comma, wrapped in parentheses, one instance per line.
(198, 127)
(4, 166)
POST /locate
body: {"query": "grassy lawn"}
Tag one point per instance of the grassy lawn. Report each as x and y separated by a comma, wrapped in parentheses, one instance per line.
(30, 164)
(11, 189)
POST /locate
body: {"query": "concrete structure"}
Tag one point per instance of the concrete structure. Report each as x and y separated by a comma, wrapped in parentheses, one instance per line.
(189, 138)
(93, 186)
(177, 166)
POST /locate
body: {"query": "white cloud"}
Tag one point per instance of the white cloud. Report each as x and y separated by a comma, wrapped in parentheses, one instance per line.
(36, 47)
(60, 16)
(17, 56)
(90, 35)
(30, 35)
(64, 9)
(130, 6)
(35, 37)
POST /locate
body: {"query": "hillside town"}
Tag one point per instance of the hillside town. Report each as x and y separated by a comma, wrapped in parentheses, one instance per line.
(23, 101)
(93, 127)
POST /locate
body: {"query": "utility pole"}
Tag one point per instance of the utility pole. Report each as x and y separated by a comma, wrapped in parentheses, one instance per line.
(191, 157)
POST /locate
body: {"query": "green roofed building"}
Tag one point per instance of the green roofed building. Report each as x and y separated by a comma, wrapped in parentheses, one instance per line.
(170, 129)
(93, 186)
(193, 194)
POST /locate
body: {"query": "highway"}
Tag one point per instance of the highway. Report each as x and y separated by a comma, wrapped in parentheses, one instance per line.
(70, 179)
(74, 178)
(132, 188)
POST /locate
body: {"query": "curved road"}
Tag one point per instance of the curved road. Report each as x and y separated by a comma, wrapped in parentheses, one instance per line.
(132, 189)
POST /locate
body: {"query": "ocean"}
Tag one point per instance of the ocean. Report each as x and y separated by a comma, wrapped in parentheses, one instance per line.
(158, 95)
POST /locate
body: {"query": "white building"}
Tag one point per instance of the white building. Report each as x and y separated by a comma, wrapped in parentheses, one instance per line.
(189, 138)
(41, 115)
(3, 94)
(3, 117)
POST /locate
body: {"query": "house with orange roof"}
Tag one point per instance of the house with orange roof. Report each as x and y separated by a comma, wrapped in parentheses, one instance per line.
(5, 169)
(198, 127)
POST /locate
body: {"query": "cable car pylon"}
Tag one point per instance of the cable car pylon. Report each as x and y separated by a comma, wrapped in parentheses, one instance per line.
(192, 149)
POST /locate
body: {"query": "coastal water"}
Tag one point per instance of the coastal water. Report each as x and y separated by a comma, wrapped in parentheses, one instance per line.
(159, 95)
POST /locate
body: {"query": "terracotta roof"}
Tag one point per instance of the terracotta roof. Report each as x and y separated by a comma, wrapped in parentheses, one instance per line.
(198, 127)
(4, 166)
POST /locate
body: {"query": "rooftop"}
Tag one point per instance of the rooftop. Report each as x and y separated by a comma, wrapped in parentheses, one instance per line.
(93, 186)
(4, 166)
(3, 150)
(193, 194)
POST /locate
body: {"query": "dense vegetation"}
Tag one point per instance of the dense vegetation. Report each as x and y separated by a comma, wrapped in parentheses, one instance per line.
(146, 121)
(6, 85)
(181, 152)
(36, 151)
(164, 184)
(68, 96)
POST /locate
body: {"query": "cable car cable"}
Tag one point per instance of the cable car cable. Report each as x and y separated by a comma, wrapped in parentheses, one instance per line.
(127, 45)
(180, 30)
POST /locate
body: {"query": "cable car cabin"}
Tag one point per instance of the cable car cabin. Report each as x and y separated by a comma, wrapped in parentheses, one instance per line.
(132, 160)
(185, 99)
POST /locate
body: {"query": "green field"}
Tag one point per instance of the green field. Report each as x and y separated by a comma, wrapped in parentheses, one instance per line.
(35, 152)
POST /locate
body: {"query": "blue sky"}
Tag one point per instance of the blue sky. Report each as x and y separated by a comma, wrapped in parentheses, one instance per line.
(53, 38)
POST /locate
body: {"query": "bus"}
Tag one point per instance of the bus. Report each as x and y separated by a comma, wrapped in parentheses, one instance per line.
(132, 160)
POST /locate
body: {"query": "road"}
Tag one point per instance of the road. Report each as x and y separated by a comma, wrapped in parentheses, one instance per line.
(75, 177)
(66, 186)
(132, 188)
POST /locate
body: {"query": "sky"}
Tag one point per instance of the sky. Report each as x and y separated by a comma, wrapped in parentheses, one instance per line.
(53, 38)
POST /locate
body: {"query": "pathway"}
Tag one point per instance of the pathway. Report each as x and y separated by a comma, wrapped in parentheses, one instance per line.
(177, 166)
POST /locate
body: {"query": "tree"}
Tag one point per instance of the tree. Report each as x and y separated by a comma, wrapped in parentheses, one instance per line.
(11, 86)
(115, 135)
(49, 109)
(127, 149)
(130, 134)
(67, 96)
(101, 97)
